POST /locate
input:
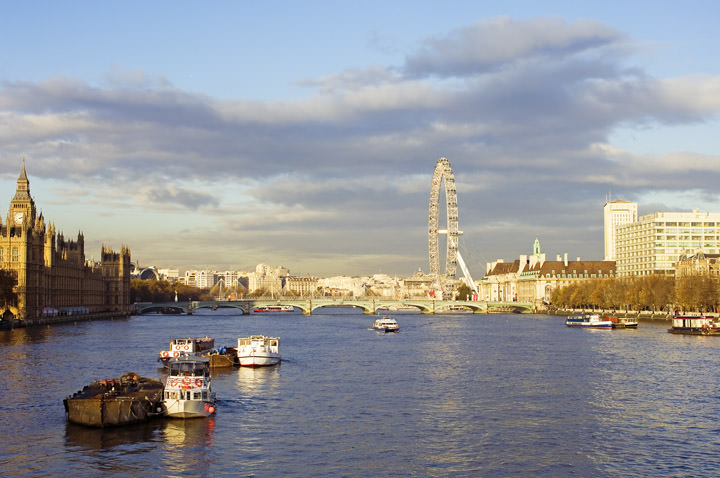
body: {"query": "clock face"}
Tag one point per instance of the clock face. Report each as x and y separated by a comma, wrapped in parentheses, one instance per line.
(19, 217)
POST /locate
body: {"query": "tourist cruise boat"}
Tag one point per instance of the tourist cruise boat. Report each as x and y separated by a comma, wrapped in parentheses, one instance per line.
(258, 351)
(187, 346)
(694, 325)
(386, 324)
(188, 389)
(274, 308)
(589, 321)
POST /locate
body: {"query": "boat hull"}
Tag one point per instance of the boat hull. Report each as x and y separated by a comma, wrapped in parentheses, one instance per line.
(693, 331)
(189, 408)
(387, 329)
(259, 360)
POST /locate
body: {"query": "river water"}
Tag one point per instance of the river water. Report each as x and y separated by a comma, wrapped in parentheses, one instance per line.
(449, 395)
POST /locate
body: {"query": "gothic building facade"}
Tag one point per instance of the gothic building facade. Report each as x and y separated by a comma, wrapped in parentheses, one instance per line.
(53, 276)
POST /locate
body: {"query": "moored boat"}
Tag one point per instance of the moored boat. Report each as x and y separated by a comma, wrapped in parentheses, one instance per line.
(623, 322)
(694, 325)
(187, 346)
(258, 351)
(116, 401)
(592, 321)
(188, 388)
(274, 308)
(386, 324)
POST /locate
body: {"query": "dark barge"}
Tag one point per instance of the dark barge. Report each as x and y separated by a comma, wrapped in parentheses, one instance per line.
(116, 401)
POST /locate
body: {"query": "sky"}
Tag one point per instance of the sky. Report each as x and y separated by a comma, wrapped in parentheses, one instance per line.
(221, 135)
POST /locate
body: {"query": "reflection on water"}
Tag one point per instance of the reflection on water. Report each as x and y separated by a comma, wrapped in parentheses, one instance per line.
(193, 431)
(256, 380)
(102, 438)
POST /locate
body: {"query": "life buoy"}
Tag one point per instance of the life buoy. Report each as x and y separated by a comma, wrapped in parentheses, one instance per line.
(187, 347)
(176, 354)
(173, 382)
(198, 382)
(164, 353)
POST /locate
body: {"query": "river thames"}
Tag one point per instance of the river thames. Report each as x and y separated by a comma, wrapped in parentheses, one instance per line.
(449, 395)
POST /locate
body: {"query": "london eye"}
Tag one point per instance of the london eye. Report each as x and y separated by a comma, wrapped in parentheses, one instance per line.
(443, 174)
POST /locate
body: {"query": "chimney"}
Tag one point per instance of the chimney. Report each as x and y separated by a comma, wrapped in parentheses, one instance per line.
(557, 258)
(565, 259)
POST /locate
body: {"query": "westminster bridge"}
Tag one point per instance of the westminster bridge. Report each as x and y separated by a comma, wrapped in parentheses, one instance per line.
(309, 305)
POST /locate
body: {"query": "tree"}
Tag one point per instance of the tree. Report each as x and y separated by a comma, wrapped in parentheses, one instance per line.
(463, 291)
(8, 281)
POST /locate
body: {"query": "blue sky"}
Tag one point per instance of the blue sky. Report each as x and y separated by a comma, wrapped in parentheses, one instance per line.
(304, 134)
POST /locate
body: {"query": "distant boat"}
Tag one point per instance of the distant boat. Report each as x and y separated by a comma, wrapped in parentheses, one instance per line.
(623, 322)
(694, 325)
(274, 308)
(386, 324)
(588, 321)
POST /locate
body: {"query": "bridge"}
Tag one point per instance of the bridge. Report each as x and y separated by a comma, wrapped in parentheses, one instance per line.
(368, 305)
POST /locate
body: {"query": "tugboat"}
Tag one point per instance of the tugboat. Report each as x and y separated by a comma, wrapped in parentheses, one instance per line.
(188, 389)
(258, 351)
(116, 401)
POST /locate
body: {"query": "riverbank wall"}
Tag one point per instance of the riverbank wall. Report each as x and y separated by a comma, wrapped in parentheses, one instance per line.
(642, 315)
(62, 319)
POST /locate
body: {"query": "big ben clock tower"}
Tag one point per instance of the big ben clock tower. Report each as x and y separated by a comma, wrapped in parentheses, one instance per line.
(22, 206)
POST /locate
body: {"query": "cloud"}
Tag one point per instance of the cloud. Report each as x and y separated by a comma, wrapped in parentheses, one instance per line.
(522, 108)
(503, 42)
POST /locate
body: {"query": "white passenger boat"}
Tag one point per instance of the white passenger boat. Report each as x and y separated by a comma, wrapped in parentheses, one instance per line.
(258, 351)
(188, 389)
(386, 324)
(274, 308)
(187, 346)
(588, 321)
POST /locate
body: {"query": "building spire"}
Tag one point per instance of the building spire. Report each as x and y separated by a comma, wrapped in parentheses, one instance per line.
(23, 174)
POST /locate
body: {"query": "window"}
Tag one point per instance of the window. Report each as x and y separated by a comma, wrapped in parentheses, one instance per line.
(15, 254)
(2, 254)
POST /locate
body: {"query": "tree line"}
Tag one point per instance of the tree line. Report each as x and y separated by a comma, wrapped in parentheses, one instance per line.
(646, 293)
(164, 291)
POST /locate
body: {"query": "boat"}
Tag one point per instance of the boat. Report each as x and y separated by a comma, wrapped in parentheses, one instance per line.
(588, 321)
(623, 322)
(116, 401)
(188, 388)
(222, 357)
(187, 346)
(274, 308)
(258, 351)
(386, 324)
(694, 325)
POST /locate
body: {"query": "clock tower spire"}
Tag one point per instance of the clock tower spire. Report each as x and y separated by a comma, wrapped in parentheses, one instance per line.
(22, 206)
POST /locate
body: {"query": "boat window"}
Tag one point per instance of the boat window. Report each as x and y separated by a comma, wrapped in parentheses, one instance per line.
(197, 395)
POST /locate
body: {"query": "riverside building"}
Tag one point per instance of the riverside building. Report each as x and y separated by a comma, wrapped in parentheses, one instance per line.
(615, 214)
(654, 243)
(532, 278)
(53, 276)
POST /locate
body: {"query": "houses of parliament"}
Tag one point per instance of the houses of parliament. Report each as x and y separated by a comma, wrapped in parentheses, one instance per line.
(53, 278)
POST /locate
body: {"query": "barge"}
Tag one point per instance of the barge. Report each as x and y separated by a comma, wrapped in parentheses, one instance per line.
(116, 401)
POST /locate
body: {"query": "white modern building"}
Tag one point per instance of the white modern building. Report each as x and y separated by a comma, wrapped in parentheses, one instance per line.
(653, 243)
(616, 214)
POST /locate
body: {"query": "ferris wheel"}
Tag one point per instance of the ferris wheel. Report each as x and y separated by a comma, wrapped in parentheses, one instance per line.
(443, 174)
